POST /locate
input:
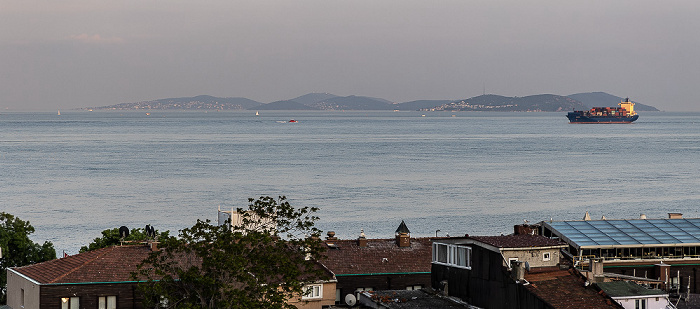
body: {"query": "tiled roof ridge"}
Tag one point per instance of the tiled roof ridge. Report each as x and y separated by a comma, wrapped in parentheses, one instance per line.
(392, 238)
(99, 253)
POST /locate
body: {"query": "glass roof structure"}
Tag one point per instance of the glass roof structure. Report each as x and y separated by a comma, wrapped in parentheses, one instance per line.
(628, 233)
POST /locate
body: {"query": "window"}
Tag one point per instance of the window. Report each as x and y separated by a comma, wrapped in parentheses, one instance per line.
(546, 256)
(640, 303)
(70, 303)
(460, 256)
(510, 261)
(313, 291)
(107, 302)
(21, 300)
(452, 255)
(414, 287)
(440, 253)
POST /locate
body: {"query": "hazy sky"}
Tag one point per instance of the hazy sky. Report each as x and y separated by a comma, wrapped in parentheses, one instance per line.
(72, 53)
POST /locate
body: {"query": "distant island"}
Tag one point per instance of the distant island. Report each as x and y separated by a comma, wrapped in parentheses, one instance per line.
(327, 101)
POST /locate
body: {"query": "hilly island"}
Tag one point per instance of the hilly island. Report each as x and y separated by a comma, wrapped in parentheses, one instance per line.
(327, 101)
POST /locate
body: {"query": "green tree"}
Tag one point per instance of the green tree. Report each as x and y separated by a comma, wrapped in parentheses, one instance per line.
(18, 249)
(111, 237)
(260, 263)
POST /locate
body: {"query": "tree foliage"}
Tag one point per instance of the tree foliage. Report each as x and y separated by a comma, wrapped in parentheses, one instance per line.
(260, 263)
(18, 249)
(111, 237)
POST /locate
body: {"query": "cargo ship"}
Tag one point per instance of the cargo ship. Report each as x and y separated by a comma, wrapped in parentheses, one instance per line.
(623, 114)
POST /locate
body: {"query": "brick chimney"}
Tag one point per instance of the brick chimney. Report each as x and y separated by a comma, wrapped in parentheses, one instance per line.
(403, 235)
(331, 236)
(661, 271)
(362, 240)
(675, 215)
(524, 229)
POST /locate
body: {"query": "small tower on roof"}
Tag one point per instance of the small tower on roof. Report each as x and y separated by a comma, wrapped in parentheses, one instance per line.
(403, 235)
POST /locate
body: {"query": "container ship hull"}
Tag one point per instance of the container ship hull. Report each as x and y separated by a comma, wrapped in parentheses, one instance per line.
(577, 117)
(623, 114)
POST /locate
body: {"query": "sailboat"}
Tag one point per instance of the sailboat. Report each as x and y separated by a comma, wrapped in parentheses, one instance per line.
(59, 112)
(257, 114)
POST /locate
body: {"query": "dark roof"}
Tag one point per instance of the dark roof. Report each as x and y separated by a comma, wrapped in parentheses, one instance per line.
(413, 299)
(566, 289)
(517, 241)
(380, 256)
(402, 228)
(626, 288)
(112, 264)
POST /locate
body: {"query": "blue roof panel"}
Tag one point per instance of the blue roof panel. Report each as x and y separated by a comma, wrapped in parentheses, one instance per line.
(629, 232)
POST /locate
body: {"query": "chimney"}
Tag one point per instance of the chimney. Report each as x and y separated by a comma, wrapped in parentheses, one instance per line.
(675, 215)
(331, 235)
(362, 240)
(643, 216)
(154, 246)
(661, 271)
(517, 270)
(523, 229)
(403, 235)
(445, 288)
(595, 266)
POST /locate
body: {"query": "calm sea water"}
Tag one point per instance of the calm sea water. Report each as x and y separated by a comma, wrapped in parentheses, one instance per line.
(79, 173)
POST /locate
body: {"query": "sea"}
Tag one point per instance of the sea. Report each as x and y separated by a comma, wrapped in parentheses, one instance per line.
(76, 174)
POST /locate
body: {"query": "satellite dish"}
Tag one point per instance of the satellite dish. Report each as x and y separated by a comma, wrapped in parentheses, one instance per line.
(350, 300)
(150, 231)
(123, 232)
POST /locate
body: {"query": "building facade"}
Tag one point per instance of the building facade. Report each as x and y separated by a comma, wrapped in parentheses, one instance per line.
(364, 264)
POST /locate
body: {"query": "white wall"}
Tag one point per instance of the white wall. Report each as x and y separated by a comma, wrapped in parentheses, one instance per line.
(534, 256)
(15, 284)
(652, 302)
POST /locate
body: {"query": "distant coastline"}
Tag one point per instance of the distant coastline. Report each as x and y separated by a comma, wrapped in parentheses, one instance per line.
(327, 101)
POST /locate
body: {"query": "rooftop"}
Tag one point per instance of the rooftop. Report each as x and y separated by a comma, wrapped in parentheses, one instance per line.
(517, 241)
(626, 289)
(566, 289)
(111, 264)
(629, 233)
(411, 299)
(380, 256)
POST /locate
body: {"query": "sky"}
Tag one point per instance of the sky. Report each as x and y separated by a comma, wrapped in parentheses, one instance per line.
(83, 53)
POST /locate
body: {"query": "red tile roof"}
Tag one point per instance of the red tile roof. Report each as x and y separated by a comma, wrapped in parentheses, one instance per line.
(112, 264)
(380, 256)
(566, 289)
(517, 241)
